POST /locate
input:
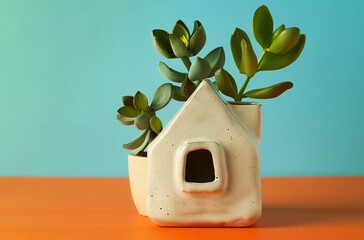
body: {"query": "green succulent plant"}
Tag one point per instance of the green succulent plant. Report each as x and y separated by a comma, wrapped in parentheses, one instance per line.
(200, 68)
(137, 111)
(183, 45)
(280, 48)
(180, 43)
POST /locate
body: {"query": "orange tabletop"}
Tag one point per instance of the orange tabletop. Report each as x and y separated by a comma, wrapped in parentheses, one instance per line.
(102, 208)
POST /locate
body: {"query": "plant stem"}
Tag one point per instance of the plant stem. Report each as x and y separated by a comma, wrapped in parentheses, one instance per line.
(242, 89)
(261, 57)
(186, 61)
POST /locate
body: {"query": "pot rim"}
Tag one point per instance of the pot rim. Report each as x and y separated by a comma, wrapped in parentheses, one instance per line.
(136, 156)
(244, 103)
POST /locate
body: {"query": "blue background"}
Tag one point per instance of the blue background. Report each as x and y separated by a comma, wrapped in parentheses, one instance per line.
(64, 66)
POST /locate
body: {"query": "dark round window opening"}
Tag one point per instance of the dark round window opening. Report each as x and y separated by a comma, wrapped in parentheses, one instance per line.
(199, 167)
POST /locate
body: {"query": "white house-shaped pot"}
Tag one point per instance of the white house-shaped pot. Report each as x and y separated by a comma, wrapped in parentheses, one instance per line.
(203, 168)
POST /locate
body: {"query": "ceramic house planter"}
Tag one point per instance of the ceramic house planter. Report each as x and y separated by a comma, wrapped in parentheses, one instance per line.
(203, 169)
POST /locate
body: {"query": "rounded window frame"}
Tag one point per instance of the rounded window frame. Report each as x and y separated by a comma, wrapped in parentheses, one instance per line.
(217, 186)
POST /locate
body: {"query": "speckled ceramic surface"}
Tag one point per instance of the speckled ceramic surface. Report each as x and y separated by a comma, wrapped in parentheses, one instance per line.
(227, 192)
(138, 166)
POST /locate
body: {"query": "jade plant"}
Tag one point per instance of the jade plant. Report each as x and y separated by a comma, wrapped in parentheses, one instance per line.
(137, 111)
(280, 48)
(184, 45)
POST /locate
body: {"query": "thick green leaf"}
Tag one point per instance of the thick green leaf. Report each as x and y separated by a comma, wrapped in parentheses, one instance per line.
(216, 59)
(188, 87)
(155, 124)
(271, 61)
(162, 96)
(178, 47)
(181, 31)
(128, 111)
(162, 44)
(196, 25)
(269, 92)
(125, 120)
(249, 62)
(278, 31)
(141, 101)
(226, 84)
(235, 44)
(199, 70)
(142, 121)
(144, 144)
(137, 142)
(263, 26)
(128, 101)
(198, 38)
(286, 40)
(170, 73)
(178, 95)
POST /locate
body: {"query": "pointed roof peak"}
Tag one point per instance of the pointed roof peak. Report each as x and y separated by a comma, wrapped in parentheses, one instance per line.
(206, 86)
(205, 104)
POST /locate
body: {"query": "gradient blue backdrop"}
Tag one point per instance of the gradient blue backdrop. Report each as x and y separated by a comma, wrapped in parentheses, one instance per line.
(64, 66)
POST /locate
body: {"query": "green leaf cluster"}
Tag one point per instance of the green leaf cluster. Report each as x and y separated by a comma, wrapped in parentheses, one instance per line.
(137, 111)
(180, 43)
(183, 45)
(280, 48)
